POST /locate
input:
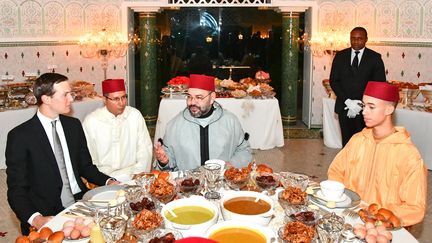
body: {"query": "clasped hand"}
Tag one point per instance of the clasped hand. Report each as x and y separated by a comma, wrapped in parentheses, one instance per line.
(354, 107)
(160, 153)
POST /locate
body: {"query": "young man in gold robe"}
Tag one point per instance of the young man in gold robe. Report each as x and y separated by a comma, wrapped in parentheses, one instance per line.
(381, 163)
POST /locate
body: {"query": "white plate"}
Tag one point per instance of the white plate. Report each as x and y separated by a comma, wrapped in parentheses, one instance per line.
(353, 199)
(341, 199)
(104, 193)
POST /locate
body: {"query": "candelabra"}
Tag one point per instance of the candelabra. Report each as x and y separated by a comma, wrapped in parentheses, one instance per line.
(104, 44)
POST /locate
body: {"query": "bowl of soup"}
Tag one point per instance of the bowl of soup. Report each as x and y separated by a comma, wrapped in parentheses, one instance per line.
(247, 206)
(191, 216)
(233, 231)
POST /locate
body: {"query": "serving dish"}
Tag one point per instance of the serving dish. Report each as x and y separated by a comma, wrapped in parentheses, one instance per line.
(352, 199)
(245, 199)
(189, 228)
(101, 196)
(241, 229)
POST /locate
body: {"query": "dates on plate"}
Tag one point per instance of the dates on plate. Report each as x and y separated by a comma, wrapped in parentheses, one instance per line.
(167, 238)
(145, 203)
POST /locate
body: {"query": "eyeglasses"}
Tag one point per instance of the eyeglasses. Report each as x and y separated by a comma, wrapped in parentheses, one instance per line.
(118, 99)
(197, 98)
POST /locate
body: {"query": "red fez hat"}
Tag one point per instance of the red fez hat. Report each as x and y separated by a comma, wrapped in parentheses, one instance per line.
(204, 82)
(113, 85)
(195, 240)
(382, 91)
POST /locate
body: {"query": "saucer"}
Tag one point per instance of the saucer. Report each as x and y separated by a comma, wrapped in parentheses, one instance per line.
(353, 199)
(341, 199)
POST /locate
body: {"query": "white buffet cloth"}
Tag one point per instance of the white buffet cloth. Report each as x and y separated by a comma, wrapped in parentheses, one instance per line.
(418, 124)
(260, 118)
(12, 118)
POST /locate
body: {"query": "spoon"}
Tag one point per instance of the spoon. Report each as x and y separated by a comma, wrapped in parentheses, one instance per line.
(259, 196)
(171, 212)
(329, 204)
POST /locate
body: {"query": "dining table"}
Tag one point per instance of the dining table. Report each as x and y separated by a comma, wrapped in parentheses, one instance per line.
(399, 236)
(260, 118)
(417, 122)
(12, 118)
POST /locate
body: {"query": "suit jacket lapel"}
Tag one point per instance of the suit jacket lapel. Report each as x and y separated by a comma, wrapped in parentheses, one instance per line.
(364, 58)
(44, 144)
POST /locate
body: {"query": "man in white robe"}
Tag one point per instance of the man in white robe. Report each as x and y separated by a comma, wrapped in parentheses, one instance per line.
(117, 135)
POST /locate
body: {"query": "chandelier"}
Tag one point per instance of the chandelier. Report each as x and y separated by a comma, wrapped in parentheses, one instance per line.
(104, 44)
(327, 43)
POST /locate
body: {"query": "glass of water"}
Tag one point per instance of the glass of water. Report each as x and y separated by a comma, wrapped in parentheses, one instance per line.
(211, 172)
(112, 227)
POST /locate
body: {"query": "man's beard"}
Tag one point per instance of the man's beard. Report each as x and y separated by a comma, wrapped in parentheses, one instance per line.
(199, 111)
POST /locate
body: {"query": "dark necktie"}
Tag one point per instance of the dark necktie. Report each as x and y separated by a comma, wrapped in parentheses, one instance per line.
(66, 196)
(355, 62)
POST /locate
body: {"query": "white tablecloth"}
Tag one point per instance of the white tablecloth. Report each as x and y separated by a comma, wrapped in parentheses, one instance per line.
(399, 236)
(260, 118)
(12, 118)
(418, 124)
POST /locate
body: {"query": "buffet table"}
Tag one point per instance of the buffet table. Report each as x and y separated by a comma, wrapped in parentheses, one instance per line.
(12, 118)
(418, 124)
(260, 118)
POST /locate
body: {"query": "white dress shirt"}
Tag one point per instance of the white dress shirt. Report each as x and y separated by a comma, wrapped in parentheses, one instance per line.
(359, 55)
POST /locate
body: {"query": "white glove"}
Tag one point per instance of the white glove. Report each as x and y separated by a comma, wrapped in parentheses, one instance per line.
(351, 114)
(354, 107)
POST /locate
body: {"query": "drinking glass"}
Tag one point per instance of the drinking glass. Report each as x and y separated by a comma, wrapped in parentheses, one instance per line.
(112, 227)
(145, 180)
(211, 172)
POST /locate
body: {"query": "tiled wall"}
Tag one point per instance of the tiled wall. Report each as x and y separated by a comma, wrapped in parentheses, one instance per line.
(56, 19)
(26, 25)
(19, 60)
(399, 21)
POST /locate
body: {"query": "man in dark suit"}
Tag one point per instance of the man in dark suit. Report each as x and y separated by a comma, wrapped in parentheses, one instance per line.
(47, 155)
(351, 70)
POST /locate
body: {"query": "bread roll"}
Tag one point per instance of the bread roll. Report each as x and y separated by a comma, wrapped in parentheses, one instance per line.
(261, 168)
(380, 217)
(57, 237)
(395, 221)
(45, 232)
(22, 239)
(385, 212)
(362, 213)
(373, 208)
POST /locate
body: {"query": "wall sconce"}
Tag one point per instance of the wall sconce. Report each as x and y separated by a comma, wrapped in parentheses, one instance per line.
(135, 41)
(327, 43)
(240, 36)
(104, 44)
(209, 39)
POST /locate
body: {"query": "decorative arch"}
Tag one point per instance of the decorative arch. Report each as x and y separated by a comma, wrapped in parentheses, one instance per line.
(74, 18)
(8, 18)
(54, 18)
(30, 13)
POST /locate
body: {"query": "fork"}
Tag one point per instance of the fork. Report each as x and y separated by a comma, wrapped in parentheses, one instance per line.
(350, 213)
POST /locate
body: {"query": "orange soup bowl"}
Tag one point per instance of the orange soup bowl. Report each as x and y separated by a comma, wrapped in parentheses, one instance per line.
(233, 231)
(244, 206)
